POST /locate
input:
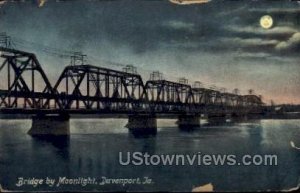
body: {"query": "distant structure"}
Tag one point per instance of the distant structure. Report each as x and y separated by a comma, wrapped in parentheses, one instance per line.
(78, 59)
(156, 75)
(197, 84)
(130, 69)
(183, 80)
(5, 40)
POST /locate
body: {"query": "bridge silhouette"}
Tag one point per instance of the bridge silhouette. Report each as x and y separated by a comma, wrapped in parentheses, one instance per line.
(90, 90)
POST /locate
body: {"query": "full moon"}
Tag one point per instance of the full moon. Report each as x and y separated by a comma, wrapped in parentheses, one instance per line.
(266, 22)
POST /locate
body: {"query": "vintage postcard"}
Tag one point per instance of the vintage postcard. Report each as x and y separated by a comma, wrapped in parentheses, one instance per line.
(149, 95)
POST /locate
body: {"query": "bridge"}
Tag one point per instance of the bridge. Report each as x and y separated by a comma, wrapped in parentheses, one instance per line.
(91, 90)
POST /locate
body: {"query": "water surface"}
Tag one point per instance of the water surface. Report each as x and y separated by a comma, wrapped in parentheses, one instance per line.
(93, 148)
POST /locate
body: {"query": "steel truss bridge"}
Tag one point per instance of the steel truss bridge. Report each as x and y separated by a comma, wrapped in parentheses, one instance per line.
(86, 89)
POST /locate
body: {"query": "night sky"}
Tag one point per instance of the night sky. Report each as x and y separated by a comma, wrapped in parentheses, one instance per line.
(218, 43)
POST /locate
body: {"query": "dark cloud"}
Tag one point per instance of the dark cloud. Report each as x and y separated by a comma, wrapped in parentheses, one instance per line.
(146, 25)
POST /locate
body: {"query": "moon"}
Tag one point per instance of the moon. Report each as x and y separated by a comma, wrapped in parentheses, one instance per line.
(266, 22)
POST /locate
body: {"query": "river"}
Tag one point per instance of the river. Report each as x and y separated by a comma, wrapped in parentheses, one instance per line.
(92, 150)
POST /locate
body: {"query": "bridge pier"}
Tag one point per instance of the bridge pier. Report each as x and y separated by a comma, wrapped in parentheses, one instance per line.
(216, 119)
(57, 125)
(188, 122)
(142, 124)
(235, 117)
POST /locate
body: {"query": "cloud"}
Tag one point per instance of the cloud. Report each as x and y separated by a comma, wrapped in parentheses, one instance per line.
(252, 56)
(262, 56)
(41, 3)
(188, 2)
(179, 25)
(277, 10)
(267, 41)
(292, 42)
(258, 30)
(249, 45)
(249, 41)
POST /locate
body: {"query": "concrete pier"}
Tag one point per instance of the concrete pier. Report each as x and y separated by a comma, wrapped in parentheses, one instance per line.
(56, 125)
(188, 122)
(217, 119)
(142, 124)
(238, 118)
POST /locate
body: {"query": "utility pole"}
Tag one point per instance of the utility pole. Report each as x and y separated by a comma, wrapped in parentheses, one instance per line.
(130, 69)
(250, 91)
(197, 84)
(156, 75)
(5, 40)
(236, 91)
(78, 59)
(183, 80)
